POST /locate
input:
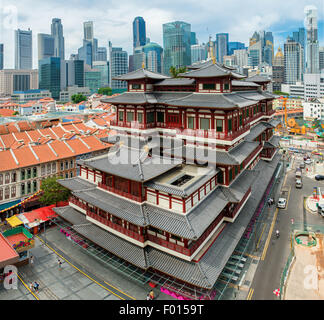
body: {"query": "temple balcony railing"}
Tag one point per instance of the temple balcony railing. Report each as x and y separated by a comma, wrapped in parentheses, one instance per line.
(115, 226)
(119, 192)
(78, 203)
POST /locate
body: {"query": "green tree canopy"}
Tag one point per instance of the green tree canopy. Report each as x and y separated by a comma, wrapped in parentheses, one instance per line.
(280, 93)
(77, 98)
(16, 113)
(53, 192)
(107, 91)
(175, 71)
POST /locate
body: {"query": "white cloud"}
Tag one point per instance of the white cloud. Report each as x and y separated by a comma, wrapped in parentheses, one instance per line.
(113, 19)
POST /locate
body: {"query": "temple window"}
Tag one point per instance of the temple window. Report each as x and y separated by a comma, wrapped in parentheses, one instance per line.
(140, 117)
(150, 117)
(209, 86)
(160, 117)
(191, 122)
(121, 115)
(136, 86)
(130, 116)
(204, 124)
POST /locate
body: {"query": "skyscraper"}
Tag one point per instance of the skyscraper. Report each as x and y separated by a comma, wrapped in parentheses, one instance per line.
(23, 49)
(312, 40)
(234, 46)
(321, 58)
(176, 44)
(193, 38)
(46, 46)
(88, 30)
(101, 54)
(49, 71)
(300, 37)
(85, 53)
(89, 37)
(153, 55)
(241, 57)
(103, 68)
(293, 61)
(198, 53)
(278, 70)
(71, 73)
(57, 34)
(221, 46)
(1, 56)
(139, 32)
(118, 65)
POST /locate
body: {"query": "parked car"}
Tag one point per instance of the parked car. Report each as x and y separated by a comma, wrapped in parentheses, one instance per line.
(308, 161)
(282, 202)
(302, 165)
(320, 209)
(319, 177)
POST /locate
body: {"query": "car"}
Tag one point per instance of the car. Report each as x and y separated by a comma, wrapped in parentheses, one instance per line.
(282, 202)
(302, 165)
(298, 184)
(308, 161)
(319, 177)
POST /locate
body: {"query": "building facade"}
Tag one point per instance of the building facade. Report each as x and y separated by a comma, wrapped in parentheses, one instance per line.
(17, 80)
(221, 46)
(139, 32)
(176, 45)
(46, 46)
(293, 61)
(23, 49)
(49, 70)
(1, 56)
(180, 175)
(118, 65)
(57, 34)
(153, 57)
(312, 40)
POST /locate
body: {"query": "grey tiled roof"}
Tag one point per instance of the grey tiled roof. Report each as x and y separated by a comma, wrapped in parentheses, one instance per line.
(275, 141)
(182, 191)
(71, 215)
(114, 244)
(274, 122)
(256, 96)
(133, 164)
(141, 74)
(118, 206)
(76, 184)
(184, 270)
(211, 156)
(132, 98)
(259, 78)
(256, 131)
(240, 83)
(211, 71)
(175, 82)
(193, 224)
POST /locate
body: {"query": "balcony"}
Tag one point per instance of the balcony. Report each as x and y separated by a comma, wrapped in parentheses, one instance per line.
(78, 203)
(132, 124)
(116, 227)
(121, 193)
(213, 134)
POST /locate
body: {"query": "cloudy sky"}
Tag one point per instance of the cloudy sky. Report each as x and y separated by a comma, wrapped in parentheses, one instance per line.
(113, 19)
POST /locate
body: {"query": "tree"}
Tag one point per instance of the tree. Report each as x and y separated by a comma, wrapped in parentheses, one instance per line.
(53, 192)
(280, 93)
(107, 91)
(175, 72)
(77, 98)
(16, 113)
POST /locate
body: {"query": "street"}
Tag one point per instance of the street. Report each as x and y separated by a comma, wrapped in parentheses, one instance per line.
(272, 263)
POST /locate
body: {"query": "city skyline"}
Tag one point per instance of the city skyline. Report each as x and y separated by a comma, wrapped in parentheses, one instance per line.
(115, 23)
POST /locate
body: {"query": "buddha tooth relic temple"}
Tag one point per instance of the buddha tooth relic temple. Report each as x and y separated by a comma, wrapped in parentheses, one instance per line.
(190, 165)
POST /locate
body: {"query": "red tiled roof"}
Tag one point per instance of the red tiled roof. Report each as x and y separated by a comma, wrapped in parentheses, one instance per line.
(6, 112)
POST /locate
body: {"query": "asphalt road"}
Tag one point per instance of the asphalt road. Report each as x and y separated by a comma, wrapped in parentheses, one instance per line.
(268, 274)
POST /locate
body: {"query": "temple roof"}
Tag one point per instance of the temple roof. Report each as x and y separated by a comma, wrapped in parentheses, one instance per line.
(175, 82)
(132, 164)
(212, 71)
(258, 79)
(141, 74)
(241, 83)
(212, 156)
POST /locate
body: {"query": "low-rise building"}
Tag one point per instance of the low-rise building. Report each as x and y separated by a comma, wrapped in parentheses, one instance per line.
(291, 103)
(314, 109)
(27, 96)
(66, 95)
(23, 169)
